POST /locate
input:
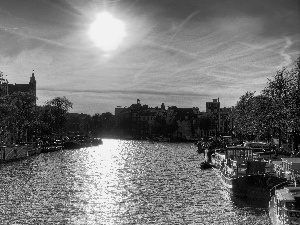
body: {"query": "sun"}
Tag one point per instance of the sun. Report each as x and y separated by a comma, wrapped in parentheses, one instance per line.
(107, 32)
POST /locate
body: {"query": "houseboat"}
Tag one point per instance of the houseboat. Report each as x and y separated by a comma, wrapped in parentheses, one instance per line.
(284, 206)
(81, 141)
(13, 152)
(288, 168)
(96, 141)
(244, 172)
(33, 148)
(161, 139)
(51, 144)
(19, 151)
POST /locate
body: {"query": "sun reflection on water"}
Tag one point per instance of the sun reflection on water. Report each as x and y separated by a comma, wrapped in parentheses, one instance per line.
(105, 168)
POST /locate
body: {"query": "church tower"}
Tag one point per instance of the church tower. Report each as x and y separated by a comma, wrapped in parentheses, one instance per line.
(32, 83)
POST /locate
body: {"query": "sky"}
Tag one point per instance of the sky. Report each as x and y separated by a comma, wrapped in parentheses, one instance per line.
(181, 53)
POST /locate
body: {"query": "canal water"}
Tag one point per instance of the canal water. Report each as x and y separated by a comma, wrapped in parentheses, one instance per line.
(120, 182)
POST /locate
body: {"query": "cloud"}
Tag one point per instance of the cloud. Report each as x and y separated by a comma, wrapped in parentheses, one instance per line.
(65, 7)
(36, 24)
(175, 50)
(287, 58)
(46, 12)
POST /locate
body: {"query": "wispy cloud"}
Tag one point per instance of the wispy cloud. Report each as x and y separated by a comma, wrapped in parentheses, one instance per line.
(182, 52)
(110, 91)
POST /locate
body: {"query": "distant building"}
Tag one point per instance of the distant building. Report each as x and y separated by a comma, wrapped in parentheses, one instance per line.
(119, 110)
(137, 119)
(182, 123)
(186, 121)
(7, 88)
(222, 118)
(213, 107)
(225, 121)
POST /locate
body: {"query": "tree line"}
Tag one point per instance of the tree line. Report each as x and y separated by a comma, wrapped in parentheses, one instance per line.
(275, 112)
(22, 120)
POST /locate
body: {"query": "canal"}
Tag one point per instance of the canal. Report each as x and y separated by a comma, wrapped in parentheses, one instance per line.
(120, 182)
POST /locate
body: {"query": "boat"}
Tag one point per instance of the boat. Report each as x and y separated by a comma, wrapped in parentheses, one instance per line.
(73, 144)
(284, 206)
(19, 151)
(12, 152)
(161, 139)
(257, 145)
(81, 141)
(50, 144)
(33, 148)
(200, 147)
(96, 141)
(206, 165)
(243, 173)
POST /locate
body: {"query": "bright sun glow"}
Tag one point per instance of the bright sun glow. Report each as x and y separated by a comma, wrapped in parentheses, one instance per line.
(107, 32)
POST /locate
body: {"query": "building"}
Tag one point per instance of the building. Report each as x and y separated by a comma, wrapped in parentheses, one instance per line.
(138, 120)
(176, 123)
(186, 121)
(9, 133)
(3, 85)
(213, 107)
(221, 117)
(7, 88)
(225, 121)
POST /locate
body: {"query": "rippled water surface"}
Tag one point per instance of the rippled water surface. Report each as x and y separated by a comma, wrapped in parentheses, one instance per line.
(119, 182)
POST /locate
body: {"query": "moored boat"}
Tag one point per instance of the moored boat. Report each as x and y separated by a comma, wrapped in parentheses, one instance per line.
(200, 147)
(96, 141)
(73, 144)
(13, 152)
(161, 139)
(50, 144)
(80, 141)
(284, 206)
(206, 165)
(33, 148)
(243, 173)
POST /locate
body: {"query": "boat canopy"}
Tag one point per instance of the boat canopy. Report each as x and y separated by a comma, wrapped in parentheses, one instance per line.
(288, 194)
(285, 196)
(293, 190)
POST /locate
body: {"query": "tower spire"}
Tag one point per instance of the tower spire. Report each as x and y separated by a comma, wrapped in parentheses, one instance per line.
(32, 83)
(32, 78)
